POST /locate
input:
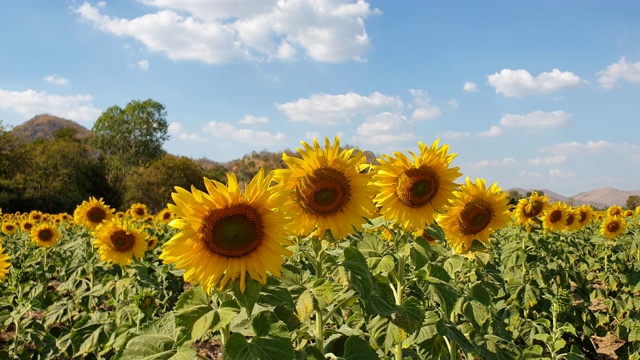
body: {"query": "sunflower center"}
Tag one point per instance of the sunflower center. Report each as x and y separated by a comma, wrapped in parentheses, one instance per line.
(96, 214)
(140, 212)
(583, 217)
(417, 186)
(27, 226)
(475, 216)
(555, 216)
(45, 235)
(533, 209)
(122, 241)
(232, 232)
(570, 219)
(613, 226)
(324, 192)
(166, 216)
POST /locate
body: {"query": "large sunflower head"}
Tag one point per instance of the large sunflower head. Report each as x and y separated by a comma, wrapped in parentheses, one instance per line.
(92, 213)
(474, 214)
(138, 211)
(45, 234)
(555, 217)
(412, 191)
(119, 242)
(615, 210)
(327, 189)
(4, 263)
(225, 233)
(613, 226)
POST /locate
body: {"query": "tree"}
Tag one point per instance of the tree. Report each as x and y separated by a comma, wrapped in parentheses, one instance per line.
(130, 137)
(633, 201)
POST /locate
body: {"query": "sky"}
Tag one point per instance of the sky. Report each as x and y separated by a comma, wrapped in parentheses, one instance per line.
(531, 94)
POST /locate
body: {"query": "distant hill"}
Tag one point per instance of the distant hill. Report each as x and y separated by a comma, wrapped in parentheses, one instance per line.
(43, 126)
(598, 198)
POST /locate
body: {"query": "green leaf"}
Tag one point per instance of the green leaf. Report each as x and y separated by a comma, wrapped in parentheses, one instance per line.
(356, 348)
(196, 321)
(409, 316)
(385, 265)
(156, 347)
(476, 313)
(454, 334)
(262, 348)
(378, 305)
(193, 297)
(267, 323)
(249, 297)
(305, 305)
(360, 278)
(323, 292)
(275, 296)
(438, 272)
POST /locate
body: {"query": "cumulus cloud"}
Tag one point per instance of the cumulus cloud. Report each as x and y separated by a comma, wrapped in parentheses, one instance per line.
(143, 65)
(453, 135)
(383, 128)
(561, 174)
(470, 86)
(225, 130)
(176, 129)
(221, 31)
(55, 79)
(493, 163)
(622, 70)
(549, 160)
(336, 109)
(30, 103)
(424, 110)
(250, 119)
(492, 132)
(518, 83)
(537, 120)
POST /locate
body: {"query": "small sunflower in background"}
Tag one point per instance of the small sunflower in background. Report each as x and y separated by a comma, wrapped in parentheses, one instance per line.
(628, 213)
(152, 242)
(555, 217)
(414, 190)
(9, 227)
(585, 215)
(615, 210)
(27, 226)
(119, 242)
(613, 226)
(36, 216)
(225, 233)
(474, 214)
(327, 189)
(571, 222)
(45, 235)
(138, 211)
(4, 263)
(164, 216)
(92, 213)
(533, 207)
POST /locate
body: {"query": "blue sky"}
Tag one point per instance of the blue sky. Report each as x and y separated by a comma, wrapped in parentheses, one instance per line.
(532, 94)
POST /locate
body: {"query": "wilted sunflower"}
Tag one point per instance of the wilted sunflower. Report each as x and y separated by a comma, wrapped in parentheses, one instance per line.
(327, 189)
(555, 217)
(615, 210)
(119, 242)
(138, 211)
(413, 190)
(164, 216)
(9, 227)
(613, 226)
(4, 263)
(225, 234)
(530, 208)
(474, 214)
(585, 214)
(45, 234)
(92, 213)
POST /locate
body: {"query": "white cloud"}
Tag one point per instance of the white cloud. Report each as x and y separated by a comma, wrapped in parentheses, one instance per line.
(622, 70)
(143, 64)
(492, 132)
(424, 110)
(452, 135)
(250, 119)
(518, 83)
(537, 120)
(220, 31)
(336, 109)
(55, 79)
(561, 174)
(384, 127)
(453, 103)
(493, 163)
(225, 130)
(30, 103)
(549, 160)
(176, 129)
(310, 135)
(470, 86)
(573, 147)
(530, 174)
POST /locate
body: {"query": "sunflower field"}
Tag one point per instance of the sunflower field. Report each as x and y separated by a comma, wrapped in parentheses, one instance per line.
(329, 258)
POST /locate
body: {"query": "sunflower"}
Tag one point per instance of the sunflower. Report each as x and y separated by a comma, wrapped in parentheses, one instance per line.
(164, 216)
(527, 209)
(327, 189)
(45, 235)
(614, 210)
(412, 191)
(36, 216)
(613, 226)
(571, 221)
(9, 227)
(555, 217)
(628, 213)
(26, 226)
(637, 212)
(225, 234)
(4, 263)
(138, 211)
(152, 242)
(585, 214)
(474, 214)
(118, 242)
(92, 213)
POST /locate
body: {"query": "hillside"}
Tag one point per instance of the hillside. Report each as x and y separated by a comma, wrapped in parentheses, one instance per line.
(598, 198)
(43, 126)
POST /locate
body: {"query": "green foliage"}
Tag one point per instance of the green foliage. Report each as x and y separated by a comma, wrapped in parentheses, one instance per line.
(633, 201)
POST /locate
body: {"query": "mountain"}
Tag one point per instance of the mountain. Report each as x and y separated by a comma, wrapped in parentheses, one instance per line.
(43, 126)
(598, 198)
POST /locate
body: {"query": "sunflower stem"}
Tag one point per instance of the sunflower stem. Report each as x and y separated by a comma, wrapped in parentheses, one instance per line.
(398, 293)
(225, 332)
(319, 331)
